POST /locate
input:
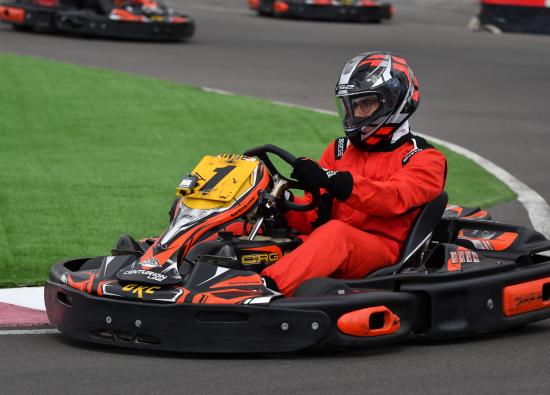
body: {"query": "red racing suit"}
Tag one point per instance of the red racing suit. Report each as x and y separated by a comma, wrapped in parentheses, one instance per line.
(351, 238)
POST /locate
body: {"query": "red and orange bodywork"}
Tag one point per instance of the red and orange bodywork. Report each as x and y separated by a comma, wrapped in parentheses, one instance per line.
(228, 187)
(486, 240)
(525, 297)
(12, 14)
(224, 211)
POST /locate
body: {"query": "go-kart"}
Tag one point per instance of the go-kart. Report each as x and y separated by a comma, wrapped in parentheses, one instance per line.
(514, 16)
(197, 288)
(124, 19)
(336, 10)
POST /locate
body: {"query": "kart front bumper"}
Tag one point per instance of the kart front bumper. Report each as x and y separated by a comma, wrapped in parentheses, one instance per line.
(202, 328)
(487, 297)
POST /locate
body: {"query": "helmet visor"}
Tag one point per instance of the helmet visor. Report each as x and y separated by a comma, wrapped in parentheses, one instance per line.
(363, 107)
(366, 112)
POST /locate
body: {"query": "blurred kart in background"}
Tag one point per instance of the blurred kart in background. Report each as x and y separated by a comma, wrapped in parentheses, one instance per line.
(132, 19)
(514, 16)
(337, 10)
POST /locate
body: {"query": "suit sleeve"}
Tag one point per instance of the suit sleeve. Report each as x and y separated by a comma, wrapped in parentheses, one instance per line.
(419, 181)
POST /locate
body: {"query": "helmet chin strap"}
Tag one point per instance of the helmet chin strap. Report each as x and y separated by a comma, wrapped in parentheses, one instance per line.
(403, 130)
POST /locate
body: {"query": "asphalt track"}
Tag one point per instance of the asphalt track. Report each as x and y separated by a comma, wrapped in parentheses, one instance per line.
(488, 93)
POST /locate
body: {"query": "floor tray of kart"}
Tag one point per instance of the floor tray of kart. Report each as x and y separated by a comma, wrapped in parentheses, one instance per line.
(125, 19)
(196, 287)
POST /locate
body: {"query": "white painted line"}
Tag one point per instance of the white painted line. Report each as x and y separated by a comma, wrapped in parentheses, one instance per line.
(536, 206)
(31, 297)
(28, 332)
(218, 91)
(319, 110)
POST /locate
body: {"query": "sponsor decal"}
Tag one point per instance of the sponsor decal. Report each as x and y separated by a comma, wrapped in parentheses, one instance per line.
(464, 256)
(527, 298)
(139, 290)
(346, 86)
(410, 155)
(331, 173)
(150, 275)
(341, 145)
(256, 259)
(454, 257)
(151, 262)
(185, 183)
(241, 283)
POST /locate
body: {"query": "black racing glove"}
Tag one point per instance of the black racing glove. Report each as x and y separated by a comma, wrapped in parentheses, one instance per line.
(312, 176)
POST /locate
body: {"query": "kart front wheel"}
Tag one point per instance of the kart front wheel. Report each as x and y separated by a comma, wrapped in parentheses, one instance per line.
(22, 28)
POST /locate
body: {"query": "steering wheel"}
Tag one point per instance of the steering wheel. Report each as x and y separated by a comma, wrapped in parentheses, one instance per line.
(261, 152)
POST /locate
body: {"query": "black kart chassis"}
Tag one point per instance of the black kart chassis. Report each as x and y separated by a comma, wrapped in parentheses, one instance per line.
(516, 19)
(89, 23)
(429, 306)
(300, 9)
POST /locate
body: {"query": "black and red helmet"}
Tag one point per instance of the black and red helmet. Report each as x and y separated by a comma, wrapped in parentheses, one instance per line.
(383, 80)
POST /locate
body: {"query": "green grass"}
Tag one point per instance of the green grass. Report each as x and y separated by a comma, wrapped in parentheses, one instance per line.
(470, 185)
(88, 154)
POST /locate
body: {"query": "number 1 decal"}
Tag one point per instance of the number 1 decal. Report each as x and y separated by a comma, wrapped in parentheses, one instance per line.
(221, 172)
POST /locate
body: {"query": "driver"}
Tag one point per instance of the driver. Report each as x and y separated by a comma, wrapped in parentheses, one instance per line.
(373, 181)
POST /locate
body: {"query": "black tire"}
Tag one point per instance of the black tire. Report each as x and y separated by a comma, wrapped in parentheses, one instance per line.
(322, 286)
(92, 264)
(265, 11)
(372, 21)
(22, 28)
(126, 245)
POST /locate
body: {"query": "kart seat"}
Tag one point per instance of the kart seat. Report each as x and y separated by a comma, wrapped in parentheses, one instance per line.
(419, 236)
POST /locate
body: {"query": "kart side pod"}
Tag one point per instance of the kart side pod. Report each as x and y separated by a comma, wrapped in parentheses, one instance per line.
(525, 297)
(370, 321)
